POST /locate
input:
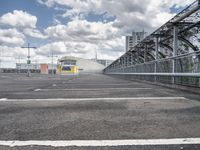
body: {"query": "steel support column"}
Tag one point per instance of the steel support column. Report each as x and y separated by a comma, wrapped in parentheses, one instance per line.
(126, 61)
(145, 53)
(175, 49)
(132, 57)
(156, 52)
(137, 55)
(156, 56)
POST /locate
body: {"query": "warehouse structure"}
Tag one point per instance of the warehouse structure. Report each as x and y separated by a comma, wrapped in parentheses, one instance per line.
(105, 62)
(65, 65)
(75, 65)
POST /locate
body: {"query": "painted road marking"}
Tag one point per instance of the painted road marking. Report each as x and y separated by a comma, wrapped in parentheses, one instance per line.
(6, 77)
(93, 99)
(103, 143)
(36, 90)
(95, 89)
(101, 83)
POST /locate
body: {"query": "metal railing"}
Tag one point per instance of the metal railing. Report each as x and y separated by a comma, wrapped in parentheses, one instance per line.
(187, 70)
(149, 59)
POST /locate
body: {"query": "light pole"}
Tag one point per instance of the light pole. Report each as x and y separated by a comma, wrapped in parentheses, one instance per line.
(18, 61)
(52, 63)
(28, 58)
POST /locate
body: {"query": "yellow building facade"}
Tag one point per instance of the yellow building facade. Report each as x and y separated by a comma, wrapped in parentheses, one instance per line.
(67, 66)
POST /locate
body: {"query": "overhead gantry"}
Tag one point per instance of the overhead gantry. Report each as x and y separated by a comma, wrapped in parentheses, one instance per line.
(170, 54)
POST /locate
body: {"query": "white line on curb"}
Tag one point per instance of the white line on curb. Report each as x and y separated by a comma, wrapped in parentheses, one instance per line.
(103, 143)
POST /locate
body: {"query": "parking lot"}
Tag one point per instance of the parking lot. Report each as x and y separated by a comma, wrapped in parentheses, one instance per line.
(94, 108)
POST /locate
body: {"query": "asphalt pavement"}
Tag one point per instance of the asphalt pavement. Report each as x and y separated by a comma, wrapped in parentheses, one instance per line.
(91, 107)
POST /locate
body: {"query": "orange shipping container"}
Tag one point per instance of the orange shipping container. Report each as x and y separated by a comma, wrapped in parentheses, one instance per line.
(44, 69)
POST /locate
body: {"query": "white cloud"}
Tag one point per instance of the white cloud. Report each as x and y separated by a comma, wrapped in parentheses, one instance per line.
(11, 36)
(55, 47)
(19, 18)
(80, 37)
(16, 52)
(107, 37)
(83, 49)
(34, 33)
(81, 5)
(160, 18)
(130, 14)
(83, 38)
(12, 55)
(82, 30)
(65, 48)
(56, 21)
(177, 3)
(58, 31)
(48, 3)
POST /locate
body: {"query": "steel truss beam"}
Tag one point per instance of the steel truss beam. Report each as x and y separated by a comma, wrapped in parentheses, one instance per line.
(147, 50)
(160, 74)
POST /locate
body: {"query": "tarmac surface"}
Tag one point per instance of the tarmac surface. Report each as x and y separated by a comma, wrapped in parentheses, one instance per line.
(94, 107)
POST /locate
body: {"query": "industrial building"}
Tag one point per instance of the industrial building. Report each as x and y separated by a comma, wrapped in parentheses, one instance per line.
(104, 62)
(75, 65)
(21, 66)
(34, 68)
(129, 43)
(65, 65)
(134, 39)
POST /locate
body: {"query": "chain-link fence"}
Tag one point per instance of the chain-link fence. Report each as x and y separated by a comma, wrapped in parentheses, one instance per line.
(174, 70)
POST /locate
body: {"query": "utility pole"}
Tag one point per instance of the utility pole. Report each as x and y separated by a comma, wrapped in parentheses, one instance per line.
(18, 60)
(28, 59)
(18, 65)
(96, 57)
(52, 62)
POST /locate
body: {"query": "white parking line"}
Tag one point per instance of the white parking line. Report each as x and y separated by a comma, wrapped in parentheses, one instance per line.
(103, 143)
(95, 89)
(93, 99)
(68, 83)
(6, 77)
(36, 90)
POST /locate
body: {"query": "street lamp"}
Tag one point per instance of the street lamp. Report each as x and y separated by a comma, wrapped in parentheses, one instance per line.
(28, 59)
(52, 63)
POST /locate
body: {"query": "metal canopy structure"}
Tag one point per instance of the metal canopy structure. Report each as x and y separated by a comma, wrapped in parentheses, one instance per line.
(172, 51)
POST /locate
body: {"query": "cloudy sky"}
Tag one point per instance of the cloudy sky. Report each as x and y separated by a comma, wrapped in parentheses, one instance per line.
(76, 27)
